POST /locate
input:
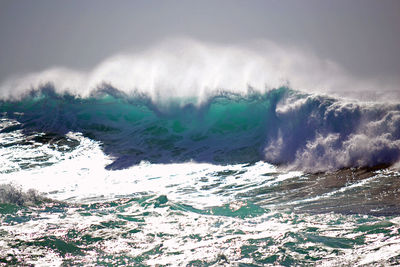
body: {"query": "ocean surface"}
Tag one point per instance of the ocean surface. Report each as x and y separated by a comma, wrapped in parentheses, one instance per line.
(280, 178)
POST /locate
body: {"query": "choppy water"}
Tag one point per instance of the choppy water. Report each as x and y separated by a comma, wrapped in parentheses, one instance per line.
(122, 181)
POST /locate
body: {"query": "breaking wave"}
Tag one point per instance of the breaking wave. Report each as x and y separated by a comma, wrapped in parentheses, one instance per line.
(281, 126)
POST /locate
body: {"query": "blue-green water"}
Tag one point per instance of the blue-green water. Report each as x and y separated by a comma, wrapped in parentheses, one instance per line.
(280, 178)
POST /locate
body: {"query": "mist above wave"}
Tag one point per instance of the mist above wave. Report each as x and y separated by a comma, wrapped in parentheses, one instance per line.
(183, 68)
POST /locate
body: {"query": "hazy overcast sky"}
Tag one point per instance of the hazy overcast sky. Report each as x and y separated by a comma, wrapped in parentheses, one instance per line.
(363, 36)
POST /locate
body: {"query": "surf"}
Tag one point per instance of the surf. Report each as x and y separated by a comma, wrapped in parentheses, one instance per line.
(281, 126)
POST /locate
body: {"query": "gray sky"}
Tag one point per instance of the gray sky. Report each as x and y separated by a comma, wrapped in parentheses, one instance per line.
(361, 35)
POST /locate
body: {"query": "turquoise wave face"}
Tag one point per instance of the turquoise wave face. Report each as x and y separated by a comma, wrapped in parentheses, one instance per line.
(281, 126)
(226, 129)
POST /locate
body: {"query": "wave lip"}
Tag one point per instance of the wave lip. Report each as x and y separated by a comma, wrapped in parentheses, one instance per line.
(281, 126)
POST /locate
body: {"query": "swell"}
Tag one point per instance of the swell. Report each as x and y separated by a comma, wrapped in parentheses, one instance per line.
(281, 126)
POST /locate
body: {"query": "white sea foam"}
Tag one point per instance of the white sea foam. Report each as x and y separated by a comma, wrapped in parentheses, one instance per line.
(80, 175)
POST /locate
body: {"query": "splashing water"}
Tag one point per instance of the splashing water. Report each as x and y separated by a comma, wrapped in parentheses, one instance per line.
(150, 170)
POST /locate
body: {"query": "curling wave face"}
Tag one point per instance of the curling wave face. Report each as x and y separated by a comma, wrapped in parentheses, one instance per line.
(281, 126)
